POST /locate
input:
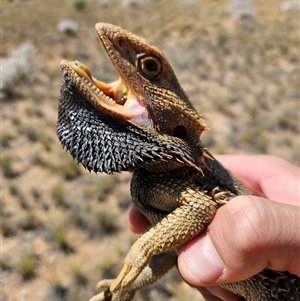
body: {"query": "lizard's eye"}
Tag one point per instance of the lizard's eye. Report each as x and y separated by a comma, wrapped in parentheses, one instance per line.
(149, 66)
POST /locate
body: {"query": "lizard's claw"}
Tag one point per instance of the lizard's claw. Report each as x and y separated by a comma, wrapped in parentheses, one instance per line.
(125, 278)
(134, 263)
(105, 283)
(108, 295)
(103, 296)
(222, 197)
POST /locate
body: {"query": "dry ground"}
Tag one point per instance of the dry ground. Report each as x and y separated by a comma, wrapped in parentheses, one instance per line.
(64, 229)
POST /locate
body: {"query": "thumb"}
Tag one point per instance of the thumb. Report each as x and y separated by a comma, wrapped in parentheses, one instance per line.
(247, 235)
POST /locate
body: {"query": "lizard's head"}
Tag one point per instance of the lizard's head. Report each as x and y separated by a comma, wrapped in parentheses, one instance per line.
(141, 119)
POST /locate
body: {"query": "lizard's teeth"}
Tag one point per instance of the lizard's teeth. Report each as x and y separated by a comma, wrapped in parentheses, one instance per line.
(107, 97)
(114, 93)
(116, 96)
(96, 90)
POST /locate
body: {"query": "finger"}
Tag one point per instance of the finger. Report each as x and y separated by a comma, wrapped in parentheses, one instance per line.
(246, 236)
(268, 176)
(137, 220)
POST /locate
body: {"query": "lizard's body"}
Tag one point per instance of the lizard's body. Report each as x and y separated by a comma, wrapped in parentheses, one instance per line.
(145, 123)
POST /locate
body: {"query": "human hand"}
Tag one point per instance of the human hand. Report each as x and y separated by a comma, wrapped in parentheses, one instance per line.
(247, 235)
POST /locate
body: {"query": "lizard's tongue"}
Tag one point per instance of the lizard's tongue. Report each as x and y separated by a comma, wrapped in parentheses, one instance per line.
(116, 96)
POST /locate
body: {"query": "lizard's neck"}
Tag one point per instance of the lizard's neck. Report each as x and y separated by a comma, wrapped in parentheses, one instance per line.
(163, 167)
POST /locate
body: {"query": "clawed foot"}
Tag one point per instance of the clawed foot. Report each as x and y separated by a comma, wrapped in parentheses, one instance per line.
(106, 295)
(103, 296)
(121, 289)
(112, 295)
(222, 197)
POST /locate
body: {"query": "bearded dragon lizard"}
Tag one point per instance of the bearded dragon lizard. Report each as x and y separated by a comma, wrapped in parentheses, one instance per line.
(144, 123)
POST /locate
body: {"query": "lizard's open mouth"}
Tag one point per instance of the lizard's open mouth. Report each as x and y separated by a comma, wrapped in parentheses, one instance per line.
(116, 96)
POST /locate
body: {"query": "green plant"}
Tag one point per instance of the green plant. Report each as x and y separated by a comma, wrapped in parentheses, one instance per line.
(107, 269)
(30, 132)
(222, 36)
(79, 276)
(80, 216)
(8, 227)
(79, 4)
(68, 168)
(107, 222)
(4, 264)
(7, 136)
(59, 195)
(6, 166)
(124, 200)
(46, 141)
(60, 237)
(27, 266)
(105, 184)
(29, 221)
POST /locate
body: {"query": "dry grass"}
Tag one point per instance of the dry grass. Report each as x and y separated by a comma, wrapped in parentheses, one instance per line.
(63, 229)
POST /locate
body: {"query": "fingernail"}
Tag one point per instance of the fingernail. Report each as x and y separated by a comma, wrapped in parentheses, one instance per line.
(202, 261)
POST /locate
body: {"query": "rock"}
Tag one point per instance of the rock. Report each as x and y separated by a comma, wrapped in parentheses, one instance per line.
(17, 65)
(67, 26)
(290, 5)
(242, 9)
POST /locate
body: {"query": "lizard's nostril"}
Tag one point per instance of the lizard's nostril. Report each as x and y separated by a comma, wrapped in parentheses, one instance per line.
(119, 41)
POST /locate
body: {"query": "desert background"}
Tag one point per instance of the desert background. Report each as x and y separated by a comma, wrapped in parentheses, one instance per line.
(63, 228)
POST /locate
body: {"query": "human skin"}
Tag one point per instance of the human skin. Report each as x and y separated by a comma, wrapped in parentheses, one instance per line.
(247, 235)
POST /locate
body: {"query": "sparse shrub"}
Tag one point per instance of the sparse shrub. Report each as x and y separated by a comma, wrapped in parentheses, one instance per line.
(30, 133)
(4, 265)
(79, 276)
(58, 291)
(107, 222)
(106, 184)
(6, 137)
(69, 169)
(39, 159)
(36, 192)
(107, 269)
(79, 4)
(80, 217)
(59, 195)
(46, 141)
(6, 166)
(60, 237)
(27, 266)
(16, 191)
(8, 227)
(256, 137)
(124, 200)
(222, 36)
(288, 119)
(29, 221)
